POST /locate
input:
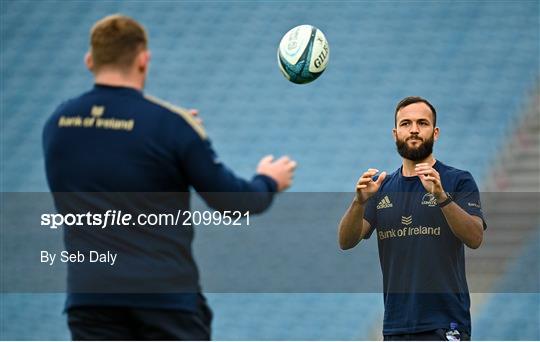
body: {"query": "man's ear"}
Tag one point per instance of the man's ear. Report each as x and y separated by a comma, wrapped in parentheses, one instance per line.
(143, 60)
(89, 61)
(436, 132)
(394, 134)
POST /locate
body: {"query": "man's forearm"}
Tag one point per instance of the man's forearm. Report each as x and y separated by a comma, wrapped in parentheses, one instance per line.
(464, 226)
(350, 227)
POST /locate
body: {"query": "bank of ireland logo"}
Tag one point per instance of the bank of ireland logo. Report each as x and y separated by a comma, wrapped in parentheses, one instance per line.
(406, 220)
(97, 111)
(385, 203)
(429, 200)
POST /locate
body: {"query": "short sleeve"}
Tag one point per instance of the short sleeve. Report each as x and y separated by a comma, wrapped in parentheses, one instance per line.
(467, 196)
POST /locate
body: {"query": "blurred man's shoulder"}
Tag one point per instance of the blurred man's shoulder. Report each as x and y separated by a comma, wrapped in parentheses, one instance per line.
(180, 112)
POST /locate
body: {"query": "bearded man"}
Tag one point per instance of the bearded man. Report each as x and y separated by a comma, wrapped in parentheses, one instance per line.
(424, 213)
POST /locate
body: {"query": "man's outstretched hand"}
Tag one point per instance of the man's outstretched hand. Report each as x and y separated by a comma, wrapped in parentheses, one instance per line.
(281, 170)
(366, 186)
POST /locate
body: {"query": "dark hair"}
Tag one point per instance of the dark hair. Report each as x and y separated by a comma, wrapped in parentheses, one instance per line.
(415, 99)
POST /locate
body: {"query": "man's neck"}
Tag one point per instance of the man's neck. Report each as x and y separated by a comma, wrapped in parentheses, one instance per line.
(116, 79)
(408, 165)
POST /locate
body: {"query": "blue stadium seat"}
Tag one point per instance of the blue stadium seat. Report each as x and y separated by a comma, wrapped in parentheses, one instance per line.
(512, 313)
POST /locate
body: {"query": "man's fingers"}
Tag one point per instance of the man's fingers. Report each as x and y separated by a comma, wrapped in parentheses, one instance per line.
(288, 162)
(366, 180)
(267, 159)
(425, 168)
(381, 178)
(370, 173)
(367, 177)
(429, 178)
(429, 175)
(418, 170)
(425, 172)
(195, 114)
(283, 159)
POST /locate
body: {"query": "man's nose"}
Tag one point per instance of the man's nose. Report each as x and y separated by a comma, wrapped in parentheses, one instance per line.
(414, 128)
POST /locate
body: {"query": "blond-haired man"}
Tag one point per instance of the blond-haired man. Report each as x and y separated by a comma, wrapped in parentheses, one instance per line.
(112, 139)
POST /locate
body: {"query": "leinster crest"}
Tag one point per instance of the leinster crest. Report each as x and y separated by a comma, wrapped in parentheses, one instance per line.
(429, 200)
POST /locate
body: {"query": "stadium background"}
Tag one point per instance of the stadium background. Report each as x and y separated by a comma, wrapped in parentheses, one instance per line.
(478, 62)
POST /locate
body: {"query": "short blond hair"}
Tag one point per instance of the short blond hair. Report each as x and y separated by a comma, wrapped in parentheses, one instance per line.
(116, 40)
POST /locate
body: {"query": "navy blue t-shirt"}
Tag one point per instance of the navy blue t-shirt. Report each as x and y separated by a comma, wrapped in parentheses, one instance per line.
(422, 261)
(113, 140)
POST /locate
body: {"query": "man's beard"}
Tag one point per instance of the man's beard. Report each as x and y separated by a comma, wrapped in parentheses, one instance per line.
(415, 154)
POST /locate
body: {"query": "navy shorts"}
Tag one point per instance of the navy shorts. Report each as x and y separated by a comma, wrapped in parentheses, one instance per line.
(123, 323)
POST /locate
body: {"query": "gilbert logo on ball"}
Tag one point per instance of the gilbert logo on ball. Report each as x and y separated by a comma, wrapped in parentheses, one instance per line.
(303, 54)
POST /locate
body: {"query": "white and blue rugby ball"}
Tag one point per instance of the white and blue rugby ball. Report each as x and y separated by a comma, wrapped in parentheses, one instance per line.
(303, 54)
